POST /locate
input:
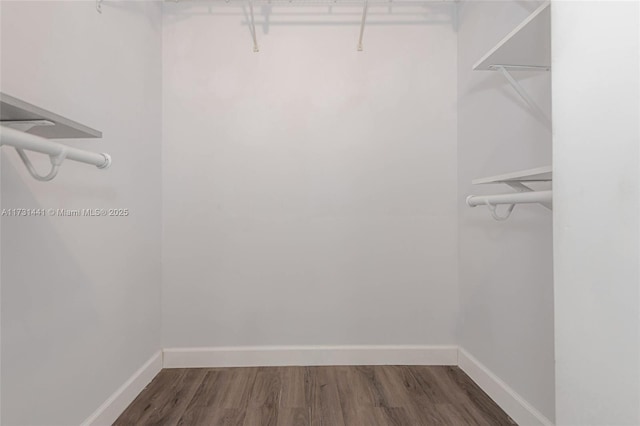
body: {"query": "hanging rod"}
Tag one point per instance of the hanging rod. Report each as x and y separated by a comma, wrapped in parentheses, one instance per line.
(515, 198)
(57, 152)
(332, 3)
(492, 201)
(365, 4)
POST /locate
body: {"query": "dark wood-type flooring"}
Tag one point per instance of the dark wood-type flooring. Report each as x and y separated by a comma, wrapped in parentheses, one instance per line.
(314, 396)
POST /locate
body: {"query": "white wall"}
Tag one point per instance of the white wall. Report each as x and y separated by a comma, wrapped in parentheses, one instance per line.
(506, 282)
(80, 296)
(0, 239)
(596, 77)
(309, 190)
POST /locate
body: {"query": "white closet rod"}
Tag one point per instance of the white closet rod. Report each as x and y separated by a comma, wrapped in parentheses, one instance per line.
(515, 198)
(315, 2)
(21, 140)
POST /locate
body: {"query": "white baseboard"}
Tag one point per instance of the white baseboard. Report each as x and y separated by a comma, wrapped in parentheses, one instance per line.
(512, 403)
(251, 356)
(108, 412)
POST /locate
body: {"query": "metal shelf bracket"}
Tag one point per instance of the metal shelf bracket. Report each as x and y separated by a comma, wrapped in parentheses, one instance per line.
(504, 70)
(56, 160)
(13, 133)
(253, 28)
(362, 23)
(520, 187)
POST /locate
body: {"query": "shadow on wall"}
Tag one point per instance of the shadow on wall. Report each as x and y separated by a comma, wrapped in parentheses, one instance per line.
(317, 14)
(47, 296)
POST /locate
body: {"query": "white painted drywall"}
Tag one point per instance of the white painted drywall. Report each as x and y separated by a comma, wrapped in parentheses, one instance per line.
(596, 98)
(80, 296)
(309, 190)
(506, 282)
(0, 236)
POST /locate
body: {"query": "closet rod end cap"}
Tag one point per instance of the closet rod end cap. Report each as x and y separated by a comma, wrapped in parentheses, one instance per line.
(107, 161)
(468, 201)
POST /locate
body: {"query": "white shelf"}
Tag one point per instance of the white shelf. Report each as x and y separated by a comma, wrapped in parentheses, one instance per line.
(539, 174)
(15, 110)
(528, 46)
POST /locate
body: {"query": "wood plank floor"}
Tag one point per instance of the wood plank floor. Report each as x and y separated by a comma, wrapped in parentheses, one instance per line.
(314, 396)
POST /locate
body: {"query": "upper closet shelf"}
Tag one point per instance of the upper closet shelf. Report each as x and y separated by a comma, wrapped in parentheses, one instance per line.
(526, 47)
(539, 174)
(13, 111)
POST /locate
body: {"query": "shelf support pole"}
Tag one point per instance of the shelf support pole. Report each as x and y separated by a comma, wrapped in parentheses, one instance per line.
(523, 94)
(253, 28)
(362, 23)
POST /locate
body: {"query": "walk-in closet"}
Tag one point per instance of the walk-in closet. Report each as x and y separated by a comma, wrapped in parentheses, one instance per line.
(319, 212)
